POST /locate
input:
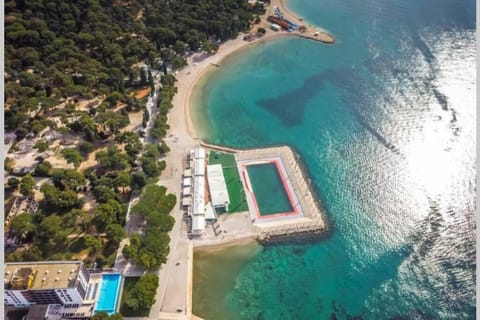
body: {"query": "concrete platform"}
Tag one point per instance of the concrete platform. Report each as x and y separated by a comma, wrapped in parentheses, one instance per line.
(310, 217)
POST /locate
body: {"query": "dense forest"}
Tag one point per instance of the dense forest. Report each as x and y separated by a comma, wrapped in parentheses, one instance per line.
(59, 52)
(56, 49)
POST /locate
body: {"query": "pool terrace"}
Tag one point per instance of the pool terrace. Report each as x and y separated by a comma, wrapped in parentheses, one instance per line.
(269, 192)
(300, 214)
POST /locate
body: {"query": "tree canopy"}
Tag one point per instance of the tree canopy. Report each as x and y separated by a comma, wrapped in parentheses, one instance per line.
(59, 201)
(104, 316)
(72, 156)
(68, 179)
(151, 249)
(26, 185)
(64, 51)
(22, 225)
(56, 49)
(143, 294)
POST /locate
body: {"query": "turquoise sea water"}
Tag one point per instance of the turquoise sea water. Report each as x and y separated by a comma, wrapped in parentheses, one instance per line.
(384, 121)
(268, 188)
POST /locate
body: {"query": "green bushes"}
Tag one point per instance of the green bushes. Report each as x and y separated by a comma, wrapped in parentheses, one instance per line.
(151, 250)
(138, 295)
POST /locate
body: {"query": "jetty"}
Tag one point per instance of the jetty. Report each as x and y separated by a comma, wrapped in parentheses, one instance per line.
(282, 21)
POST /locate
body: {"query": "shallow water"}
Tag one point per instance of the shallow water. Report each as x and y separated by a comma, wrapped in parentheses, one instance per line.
(385, 122)
(217, 270)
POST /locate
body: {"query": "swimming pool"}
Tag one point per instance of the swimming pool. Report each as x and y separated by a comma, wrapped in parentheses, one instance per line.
(109, 292)
(270, 191)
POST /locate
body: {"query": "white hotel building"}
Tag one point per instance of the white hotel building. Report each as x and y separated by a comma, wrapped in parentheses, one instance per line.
(69, 290)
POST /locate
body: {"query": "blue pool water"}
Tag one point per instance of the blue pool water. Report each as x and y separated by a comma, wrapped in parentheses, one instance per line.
(384, 120)
(268, 188)
(109, 292)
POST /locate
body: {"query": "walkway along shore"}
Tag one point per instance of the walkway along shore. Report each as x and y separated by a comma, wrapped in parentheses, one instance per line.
(175, 287)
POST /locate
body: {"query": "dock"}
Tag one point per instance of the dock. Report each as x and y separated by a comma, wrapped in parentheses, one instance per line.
(279, 16)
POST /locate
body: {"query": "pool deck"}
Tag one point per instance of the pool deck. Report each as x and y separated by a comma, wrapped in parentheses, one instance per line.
(257, 217)
(309, 214)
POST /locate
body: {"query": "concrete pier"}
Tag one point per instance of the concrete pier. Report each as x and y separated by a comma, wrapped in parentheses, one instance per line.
(313, 219)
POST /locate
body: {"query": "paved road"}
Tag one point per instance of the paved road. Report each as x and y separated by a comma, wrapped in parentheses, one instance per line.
(172, 276)
(173, 286)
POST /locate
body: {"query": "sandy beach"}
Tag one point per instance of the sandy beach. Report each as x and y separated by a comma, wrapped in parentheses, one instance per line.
(228, 243)
(199, 66)
(182, 137)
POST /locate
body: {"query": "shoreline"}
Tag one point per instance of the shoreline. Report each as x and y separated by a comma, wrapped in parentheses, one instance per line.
(218, 245)
(195, 71)
(284, 7)
(183, 135)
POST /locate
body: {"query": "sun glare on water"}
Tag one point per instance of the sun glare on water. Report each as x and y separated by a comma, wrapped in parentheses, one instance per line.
(429, 160)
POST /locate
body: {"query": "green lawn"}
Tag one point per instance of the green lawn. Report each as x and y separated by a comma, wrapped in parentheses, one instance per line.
(232, 179)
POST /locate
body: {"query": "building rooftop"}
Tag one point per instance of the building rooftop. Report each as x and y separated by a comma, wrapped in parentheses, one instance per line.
(187, 172)
(41, 275)
(199, 153)
(199, 196)
(198, 224)
(217, 185)
(199, 167)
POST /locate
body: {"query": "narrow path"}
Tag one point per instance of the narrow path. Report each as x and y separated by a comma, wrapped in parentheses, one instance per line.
(122, 264)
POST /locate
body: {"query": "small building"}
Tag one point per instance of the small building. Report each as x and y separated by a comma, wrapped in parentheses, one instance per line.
(187, 173)
(210, 215)
(187, 202)
(198, 225)
(187, 182)
(199, 153)
(187, 191)
(275, 27)
(217, 187)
